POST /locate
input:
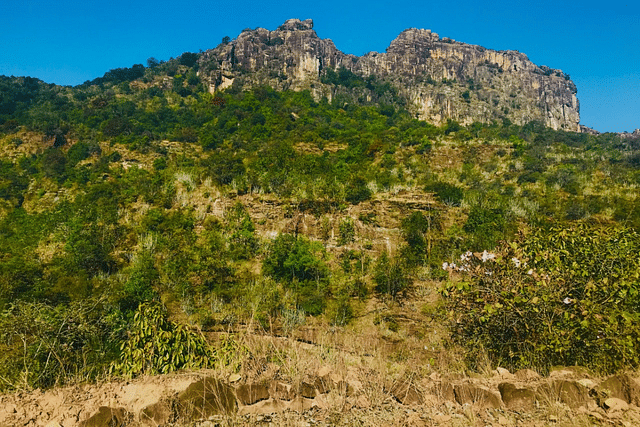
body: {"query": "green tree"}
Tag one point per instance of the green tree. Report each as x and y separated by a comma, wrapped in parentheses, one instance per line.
(391, 275)
(243, 243)
(298, 263)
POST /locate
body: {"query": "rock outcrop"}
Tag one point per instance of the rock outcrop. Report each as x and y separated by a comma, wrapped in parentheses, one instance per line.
(435, 78)
(198, 399)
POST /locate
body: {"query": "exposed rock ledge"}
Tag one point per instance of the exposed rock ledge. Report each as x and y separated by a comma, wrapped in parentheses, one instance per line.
(522, 398)
(438, 78)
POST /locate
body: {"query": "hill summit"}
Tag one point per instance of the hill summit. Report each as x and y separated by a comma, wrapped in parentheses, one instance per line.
(433, 77)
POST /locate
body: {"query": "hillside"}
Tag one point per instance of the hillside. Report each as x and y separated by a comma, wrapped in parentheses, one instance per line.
(151, 222)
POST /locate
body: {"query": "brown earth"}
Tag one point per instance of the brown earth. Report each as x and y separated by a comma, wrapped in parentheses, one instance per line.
(315, 385)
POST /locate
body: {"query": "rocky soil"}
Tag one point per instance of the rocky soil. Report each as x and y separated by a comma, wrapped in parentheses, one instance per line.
(263, 393)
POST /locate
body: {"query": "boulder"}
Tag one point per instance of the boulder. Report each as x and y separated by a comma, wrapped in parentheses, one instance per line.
(527, 375)
(269, 406)
(517, 399)
(300, 404)
(248, 394)
(569, 372)
(503, 374)
(621, 386)
(444, 391)
(282, 391)
(308, 389)
(326, 380)
(406, 392)
(107, 417)
(571, 393)
(156, 414)
(204, 398)
(614, 404)
(477, 395)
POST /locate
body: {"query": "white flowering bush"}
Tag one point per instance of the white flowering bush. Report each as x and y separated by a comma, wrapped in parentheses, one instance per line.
(555, 296)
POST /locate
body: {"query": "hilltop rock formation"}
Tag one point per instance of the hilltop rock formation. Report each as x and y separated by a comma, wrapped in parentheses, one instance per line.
(434, 78)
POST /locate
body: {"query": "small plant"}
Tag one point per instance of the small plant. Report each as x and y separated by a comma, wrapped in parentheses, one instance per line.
(42, 345)
(449, 194)
(157, 346)
(391, 275)
(347, 233)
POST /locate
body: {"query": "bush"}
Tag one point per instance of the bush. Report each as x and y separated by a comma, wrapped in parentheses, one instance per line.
(391, 276)
(347, 232)
(159, 346)
(42, 345)
(558, 296)
(297, 263)
(449, 194)
(356, 191)
(243, 243)
(292, 258)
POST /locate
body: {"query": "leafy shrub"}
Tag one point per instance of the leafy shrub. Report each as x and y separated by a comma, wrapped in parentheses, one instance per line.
(414, 231)
(292, 258)
(347, 232)
(160, 164)
(486, 226)
(159, 346)
(243, 243)
(558, 296)
(139, 286)
(356, 191)
(80, 151)
(391, 275)
(42, 345)
(188, 59)
(297, 262)
(339, 312)
(449, 194)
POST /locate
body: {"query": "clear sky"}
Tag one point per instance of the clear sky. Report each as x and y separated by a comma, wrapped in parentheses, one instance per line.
(598, 43)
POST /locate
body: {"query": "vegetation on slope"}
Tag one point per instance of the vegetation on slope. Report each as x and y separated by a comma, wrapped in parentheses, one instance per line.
(110, 195)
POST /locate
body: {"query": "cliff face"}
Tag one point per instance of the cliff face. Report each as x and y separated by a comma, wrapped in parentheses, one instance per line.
(437, 78)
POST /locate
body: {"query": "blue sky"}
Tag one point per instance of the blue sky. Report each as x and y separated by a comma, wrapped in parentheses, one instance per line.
(597, 43)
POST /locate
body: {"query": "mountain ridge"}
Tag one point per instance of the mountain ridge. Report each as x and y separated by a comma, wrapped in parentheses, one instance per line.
(434, 78)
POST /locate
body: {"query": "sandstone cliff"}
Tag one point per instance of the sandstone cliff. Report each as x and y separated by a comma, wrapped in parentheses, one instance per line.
(435, 78)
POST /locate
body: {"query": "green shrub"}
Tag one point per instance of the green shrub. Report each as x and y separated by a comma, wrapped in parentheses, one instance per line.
(243, 243)
(297, 262)
(159, 346)
(347, 232)
(557, 296)
(449, 194)
(339, 312)
(292, 258)
(42, 345)
(391, 275)
(356, 191)
(486, 227)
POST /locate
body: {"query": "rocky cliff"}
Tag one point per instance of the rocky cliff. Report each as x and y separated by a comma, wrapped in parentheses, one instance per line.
(434, 78)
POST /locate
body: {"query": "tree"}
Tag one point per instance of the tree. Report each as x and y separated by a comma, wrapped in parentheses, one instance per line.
(298, 263)
(391, 275)
(188, 59)
(152, 62)
(294, 258)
